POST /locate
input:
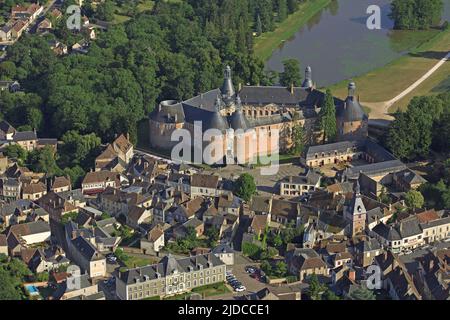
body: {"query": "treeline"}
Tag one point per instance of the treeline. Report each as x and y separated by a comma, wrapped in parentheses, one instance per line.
(423, 128)
(417, 133)
(170, 53)
(416, 14)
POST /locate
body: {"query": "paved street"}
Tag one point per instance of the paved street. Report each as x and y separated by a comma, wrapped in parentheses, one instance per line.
(266, 184)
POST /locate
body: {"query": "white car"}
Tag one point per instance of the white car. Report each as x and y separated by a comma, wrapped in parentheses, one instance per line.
(240, 289)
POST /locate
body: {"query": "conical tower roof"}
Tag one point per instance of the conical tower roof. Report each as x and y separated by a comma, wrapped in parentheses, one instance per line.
(307, 83)
(216, 120)
(227, 88)
(237, 119)
(352, 109)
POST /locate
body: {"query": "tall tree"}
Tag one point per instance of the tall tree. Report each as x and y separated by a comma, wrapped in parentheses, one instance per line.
(259, 29)
(327, 118)
(291, 74)
(282, 10)
(414, 199)
(245, 187)
(298, 140)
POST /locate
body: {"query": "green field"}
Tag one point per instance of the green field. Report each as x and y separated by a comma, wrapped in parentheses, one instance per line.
(268, 42)
(385, 83)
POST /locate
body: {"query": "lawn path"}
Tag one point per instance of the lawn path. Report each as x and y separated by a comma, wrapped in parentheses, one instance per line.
(379, 110)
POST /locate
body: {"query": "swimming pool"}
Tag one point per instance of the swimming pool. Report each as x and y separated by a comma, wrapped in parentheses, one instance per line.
(32, 289)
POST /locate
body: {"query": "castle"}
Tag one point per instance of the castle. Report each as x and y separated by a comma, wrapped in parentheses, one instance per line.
(253, 111)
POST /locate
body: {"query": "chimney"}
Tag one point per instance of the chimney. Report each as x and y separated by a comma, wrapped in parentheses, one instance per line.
(128, 136)
(352, 275)
(431, 265)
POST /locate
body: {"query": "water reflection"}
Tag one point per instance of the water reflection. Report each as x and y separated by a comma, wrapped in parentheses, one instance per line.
(337, 44)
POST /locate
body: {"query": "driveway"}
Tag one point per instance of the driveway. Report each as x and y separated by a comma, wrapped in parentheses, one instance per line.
(379, 110)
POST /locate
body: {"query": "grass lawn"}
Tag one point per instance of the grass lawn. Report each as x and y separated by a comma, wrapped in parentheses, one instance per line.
(385, 83)
(133, 261)
(268, 42)
(438, 83)
(209, 290)
(214, 289)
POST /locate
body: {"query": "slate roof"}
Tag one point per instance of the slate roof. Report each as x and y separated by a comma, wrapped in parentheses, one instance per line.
(6, 127)
(3, 241)
(261, 204)
(168, 265)
(204, 181)
(222, 248)
(310, 178)
(410, 177)
(25, 136)
(34, 188)
(86, 249)
(386, 232)
(25, 229)
(255, 95)
(375, 169)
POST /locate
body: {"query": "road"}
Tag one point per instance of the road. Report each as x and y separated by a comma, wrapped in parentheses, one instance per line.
(380, 110)
(41, 17)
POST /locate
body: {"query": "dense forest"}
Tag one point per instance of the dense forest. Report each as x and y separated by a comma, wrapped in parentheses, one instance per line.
(174, 51)
(416, 14)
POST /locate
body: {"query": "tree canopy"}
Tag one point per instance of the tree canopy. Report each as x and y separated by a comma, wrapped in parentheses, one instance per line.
(291, 75)
(245, 187)
(416, 14)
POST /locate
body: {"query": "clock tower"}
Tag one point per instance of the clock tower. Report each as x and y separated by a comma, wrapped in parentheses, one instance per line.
(356, 212)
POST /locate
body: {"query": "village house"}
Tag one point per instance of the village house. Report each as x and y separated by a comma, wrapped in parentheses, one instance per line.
(295, 186)
(116, 156)
(366, 251)
(97, 182)
(3, 244)
(6, 33)
(7, 131)
(87, 257)
(407, 180)
(396, 279)
(56, 205)
(34, 191)
(228, 203)
(169, 277)
(86, 290)
(61, 184)
(44, 26)
(48, 259)
(203, 185)
(413, 231)
(137, 216)
(117, 202)
(30, 233)
(10, 189)
(154, 241)
(305, 262)
(225, 253)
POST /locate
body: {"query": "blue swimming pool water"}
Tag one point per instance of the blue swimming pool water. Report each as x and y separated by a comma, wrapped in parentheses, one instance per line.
(32, 289)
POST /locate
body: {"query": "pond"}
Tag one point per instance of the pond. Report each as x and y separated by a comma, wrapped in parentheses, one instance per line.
(337, 44)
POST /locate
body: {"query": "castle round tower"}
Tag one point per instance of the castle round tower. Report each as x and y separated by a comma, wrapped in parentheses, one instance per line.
(352, 121)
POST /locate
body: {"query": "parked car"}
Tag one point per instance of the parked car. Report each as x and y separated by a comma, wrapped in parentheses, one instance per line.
(250, 269)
